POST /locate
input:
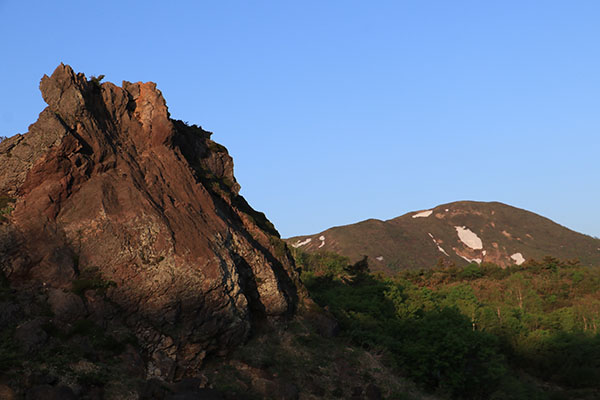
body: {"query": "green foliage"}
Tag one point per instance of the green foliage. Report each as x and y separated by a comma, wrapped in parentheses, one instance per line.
(444, 351)
(471, 331)
(216, 147)
(6, 207)
(438, 348)
(90, 279)
(279, 246)
(357, 271)
(319, 264)
(471, 271)
(96, 80)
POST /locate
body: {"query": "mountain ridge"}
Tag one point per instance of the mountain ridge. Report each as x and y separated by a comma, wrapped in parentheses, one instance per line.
(421, 239)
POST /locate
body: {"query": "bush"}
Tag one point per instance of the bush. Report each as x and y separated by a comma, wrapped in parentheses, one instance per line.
(441, 350)
(90, 279)
(471, 271)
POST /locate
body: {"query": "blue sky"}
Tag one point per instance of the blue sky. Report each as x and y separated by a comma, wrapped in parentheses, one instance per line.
(340, 111)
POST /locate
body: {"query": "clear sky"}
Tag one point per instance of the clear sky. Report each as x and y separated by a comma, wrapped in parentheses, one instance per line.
(339, 111)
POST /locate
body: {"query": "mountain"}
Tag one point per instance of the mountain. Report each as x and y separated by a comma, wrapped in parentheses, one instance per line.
(123, 223)
(459, 232)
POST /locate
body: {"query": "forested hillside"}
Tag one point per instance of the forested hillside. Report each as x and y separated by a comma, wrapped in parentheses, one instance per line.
(522, 332)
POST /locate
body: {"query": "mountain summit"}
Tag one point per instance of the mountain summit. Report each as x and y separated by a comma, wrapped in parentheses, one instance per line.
(108, 198)
(460, 232)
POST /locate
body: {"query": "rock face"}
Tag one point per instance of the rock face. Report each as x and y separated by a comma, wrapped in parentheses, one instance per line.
(460, 233)
(107, 192)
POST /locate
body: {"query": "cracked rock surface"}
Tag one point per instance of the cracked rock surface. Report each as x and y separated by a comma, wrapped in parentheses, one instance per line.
(140, 216)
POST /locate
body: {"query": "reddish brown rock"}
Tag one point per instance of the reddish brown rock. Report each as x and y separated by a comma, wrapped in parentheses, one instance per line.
(106, 182)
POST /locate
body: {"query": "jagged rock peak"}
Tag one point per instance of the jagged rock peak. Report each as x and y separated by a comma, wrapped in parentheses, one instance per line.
(71, 95)
(106, 183)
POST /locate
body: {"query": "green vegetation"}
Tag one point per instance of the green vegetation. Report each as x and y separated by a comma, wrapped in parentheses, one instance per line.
(96, 80)
(216, 147)
(90, 279)
(6, 207)
(476, 332)
(317, 366)
(279, 247)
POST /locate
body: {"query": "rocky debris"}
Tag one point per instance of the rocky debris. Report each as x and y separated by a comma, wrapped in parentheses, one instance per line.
(127, 220)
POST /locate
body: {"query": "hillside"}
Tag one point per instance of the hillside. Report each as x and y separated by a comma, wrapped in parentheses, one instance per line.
(460, 233)
(525, 331)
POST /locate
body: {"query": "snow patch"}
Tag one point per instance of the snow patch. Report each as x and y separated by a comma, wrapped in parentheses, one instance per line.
(484, 252)
(518, 258)
(469, 238)
(436, 243)
(322, 239)
(447, 210)
(301, 243)
(380, 258)
(477, 260)
(423, 214)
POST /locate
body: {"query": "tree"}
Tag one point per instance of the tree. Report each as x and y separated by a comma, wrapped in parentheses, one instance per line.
(357, 271)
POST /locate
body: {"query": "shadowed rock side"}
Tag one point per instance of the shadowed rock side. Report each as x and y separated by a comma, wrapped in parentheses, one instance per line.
(106, 184)
(460, 233)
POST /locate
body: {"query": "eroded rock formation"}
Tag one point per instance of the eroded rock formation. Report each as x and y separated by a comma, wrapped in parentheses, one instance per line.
(140, 215)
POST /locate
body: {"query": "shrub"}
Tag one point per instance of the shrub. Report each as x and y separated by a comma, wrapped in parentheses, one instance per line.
(96, 80)
(471, 271)
(90, 279)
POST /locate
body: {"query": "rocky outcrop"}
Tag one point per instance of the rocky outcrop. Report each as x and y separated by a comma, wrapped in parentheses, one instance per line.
(122, 214)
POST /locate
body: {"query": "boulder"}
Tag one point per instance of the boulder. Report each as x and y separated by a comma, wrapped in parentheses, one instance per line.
(66, 306)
